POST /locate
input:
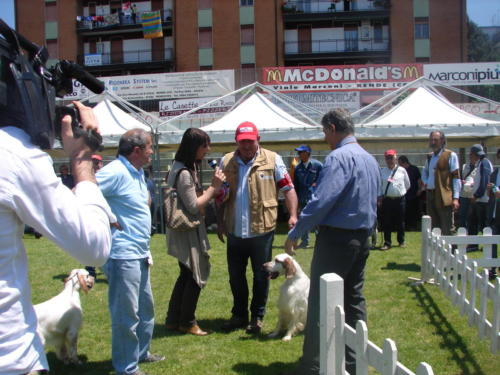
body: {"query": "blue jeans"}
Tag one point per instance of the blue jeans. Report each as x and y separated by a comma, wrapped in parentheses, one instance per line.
(259, 250)
(132, 312)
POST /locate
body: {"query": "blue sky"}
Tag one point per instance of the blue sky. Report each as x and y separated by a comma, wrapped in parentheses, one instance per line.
(482, 12)
(7, 12)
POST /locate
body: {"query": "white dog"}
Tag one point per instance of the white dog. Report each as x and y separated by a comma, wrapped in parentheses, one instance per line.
(292, 302)
(60, 318)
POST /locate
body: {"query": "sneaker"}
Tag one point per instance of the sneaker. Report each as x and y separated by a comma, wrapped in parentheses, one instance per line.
(402, 244)
(234, 323)
(152, 358)
(255, 326)
(385, 247)
(303, 245)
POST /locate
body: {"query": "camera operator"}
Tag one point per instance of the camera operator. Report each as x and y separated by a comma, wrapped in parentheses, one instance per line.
(32, 194)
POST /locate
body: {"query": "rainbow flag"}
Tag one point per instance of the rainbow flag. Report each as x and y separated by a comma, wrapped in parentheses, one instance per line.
(151, 25)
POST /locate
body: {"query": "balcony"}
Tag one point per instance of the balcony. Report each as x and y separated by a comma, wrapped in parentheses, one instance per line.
(332, 48)
(126, 59)
(328, 10)
(116, 21)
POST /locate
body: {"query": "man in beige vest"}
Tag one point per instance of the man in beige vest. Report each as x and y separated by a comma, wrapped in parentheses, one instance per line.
(248, 219)
(442, 183)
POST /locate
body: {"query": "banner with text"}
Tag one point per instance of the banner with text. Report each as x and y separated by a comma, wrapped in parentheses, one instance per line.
(172, 108)
(340, 77)
(212, 83)
(464, 74)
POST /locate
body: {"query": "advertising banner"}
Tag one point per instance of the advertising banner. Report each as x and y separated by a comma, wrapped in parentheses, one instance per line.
(326, 101)
(340, 77)
(164, 86)
(464, 74)
(172, 108)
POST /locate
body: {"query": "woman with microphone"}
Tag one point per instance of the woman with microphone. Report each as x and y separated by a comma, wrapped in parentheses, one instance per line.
(190, 247)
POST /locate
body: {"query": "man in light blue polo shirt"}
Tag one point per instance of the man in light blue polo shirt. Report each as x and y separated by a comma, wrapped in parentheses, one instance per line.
(123, 185)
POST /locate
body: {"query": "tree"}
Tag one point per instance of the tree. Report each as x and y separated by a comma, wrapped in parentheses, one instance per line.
(482, 49)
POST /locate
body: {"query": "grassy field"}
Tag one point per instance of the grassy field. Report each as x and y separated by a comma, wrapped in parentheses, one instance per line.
(424, 324)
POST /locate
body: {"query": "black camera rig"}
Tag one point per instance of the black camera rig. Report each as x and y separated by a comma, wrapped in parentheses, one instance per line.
(28, 90)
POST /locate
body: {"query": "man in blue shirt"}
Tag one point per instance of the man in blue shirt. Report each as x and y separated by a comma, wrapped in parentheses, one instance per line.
(123, 185)
(304, 179)
(344, 205)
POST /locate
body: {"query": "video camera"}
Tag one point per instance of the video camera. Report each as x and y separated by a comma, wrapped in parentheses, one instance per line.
(28, 90)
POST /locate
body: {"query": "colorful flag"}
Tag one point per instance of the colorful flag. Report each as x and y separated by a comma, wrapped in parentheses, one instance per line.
(151, 24)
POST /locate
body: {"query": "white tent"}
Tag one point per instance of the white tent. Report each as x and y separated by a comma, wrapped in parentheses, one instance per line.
(113, 122)
(274, 124)
(422, 111)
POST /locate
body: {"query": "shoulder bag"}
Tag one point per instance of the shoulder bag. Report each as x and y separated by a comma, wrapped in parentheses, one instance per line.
(177, 216)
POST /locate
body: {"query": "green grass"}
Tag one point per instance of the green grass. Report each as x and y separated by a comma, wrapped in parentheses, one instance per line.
(423, 323)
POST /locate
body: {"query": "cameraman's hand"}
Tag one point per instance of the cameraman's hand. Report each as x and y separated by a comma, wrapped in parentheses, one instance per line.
(76, 148)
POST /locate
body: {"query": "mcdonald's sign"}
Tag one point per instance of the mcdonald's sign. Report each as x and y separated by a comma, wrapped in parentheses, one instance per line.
(274, 75)
(410, 72)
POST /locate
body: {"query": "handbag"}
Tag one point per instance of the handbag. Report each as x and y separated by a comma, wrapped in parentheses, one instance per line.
(176, 216)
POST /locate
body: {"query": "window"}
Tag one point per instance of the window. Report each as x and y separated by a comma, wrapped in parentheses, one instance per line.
(52, 49)
(205, 38)
(51, 12)
(246, 3)
(204, 4)
(248, 74)
(377, 33)
(422, 28)
(247, 35)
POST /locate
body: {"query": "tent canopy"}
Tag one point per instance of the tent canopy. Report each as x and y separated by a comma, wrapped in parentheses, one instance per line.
(113, 121)
(274, 124)
(425, 110)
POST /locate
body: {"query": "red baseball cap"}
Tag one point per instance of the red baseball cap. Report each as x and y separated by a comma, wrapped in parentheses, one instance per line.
(390, 152)
(246, 130)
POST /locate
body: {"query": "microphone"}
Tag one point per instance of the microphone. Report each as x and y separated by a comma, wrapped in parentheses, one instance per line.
(223, 193)
(80, 74)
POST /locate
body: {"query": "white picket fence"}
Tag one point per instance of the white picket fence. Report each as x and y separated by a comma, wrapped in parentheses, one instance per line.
(460, 279)
(335, 334)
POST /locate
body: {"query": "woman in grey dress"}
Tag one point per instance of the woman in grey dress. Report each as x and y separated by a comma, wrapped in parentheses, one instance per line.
(190, 247)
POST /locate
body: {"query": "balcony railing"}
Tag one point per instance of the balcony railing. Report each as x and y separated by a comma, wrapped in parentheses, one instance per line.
(126, 57)
(336, 45)
(332, 6)
(106, 21)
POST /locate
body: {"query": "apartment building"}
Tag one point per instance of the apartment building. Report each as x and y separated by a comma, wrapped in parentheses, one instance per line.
(245, 35)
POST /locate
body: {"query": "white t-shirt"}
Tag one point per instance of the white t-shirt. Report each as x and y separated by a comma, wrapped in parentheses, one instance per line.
(32, 194)
(399, 182)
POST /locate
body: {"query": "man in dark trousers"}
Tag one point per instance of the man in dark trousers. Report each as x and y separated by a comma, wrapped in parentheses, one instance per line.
(344, 205)
(412, 197)
(304, 180)
(391, 201)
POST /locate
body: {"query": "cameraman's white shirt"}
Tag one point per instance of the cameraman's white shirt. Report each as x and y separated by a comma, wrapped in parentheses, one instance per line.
(32, 194)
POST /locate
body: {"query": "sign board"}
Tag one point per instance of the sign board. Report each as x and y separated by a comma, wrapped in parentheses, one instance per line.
(172, 108)
(464, 74)
(340, 77)
(326, 101)
(165, 86)
(93, 59)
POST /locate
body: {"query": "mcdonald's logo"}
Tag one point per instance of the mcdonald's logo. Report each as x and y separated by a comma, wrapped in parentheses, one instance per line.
(274, 75)
(410, 71)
